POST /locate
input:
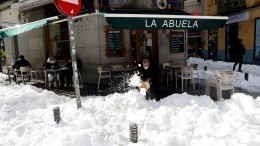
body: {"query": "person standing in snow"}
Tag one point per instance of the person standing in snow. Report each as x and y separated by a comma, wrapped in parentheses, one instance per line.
(147, 74)
(238, 55)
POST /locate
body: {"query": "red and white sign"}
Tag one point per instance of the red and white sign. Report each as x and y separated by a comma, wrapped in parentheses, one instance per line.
(69, 7)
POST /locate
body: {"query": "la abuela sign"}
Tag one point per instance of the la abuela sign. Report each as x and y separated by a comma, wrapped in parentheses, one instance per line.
(171, 23)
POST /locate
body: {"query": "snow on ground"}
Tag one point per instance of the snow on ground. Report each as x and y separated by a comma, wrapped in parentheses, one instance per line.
(252, 85)
(26, 117)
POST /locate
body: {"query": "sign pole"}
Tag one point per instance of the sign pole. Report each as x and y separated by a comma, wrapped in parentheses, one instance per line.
(74, 62)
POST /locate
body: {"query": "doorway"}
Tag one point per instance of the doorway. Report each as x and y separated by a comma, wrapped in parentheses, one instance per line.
(231, 40)
(143, 44)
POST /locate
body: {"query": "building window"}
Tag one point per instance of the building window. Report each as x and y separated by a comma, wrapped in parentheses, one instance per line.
(114, 42)
(257, 39)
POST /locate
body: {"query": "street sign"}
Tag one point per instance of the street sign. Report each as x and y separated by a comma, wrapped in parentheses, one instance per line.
(69, 7)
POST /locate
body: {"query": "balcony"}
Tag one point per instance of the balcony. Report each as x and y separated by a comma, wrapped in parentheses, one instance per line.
(226, 7)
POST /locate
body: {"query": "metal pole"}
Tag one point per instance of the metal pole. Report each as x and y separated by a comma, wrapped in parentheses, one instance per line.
(186, 46)
(74, 62)
(246, 76)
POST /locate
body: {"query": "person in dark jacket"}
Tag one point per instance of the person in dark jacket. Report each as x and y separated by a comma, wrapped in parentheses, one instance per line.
(238, 55)
(147, 74)
(21, 63)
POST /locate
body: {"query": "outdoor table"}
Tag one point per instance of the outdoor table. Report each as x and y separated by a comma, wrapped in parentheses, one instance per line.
(173, 68)
(55, 72)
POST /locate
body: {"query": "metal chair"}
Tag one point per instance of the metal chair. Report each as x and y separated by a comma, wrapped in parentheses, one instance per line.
(23, 72)
(103, 73)
(37, 70)
(164, 70)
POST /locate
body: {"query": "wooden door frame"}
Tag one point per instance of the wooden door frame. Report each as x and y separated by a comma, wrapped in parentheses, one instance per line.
(154, 50)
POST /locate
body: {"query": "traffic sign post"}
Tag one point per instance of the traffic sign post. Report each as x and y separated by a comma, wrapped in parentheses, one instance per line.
(72, 8)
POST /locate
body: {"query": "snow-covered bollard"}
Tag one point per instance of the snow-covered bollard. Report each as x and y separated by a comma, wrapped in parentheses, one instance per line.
(246, 76)
(205, 68)
(56, 112)
(133, 130)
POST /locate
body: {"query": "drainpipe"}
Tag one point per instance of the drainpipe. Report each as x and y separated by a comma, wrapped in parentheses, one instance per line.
(185, 45)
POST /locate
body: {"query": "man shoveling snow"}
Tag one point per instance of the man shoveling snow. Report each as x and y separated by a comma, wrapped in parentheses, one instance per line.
(146, 80)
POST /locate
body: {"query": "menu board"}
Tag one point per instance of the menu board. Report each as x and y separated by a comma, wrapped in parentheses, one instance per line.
(177, 42)
(115, 42)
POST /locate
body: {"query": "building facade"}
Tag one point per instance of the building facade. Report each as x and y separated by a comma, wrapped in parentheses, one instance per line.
(97, 43)
(243, 23)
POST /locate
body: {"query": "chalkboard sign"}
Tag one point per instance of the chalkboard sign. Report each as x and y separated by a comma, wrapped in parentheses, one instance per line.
(177, 42)
(114, 42)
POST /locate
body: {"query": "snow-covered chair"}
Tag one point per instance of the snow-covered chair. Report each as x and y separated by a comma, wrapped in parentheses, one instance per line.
(221, 80)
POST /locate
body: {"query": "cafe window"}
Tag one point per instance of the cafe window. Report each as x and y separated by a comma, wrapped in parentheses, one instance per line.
(176, 42)
(114, 42)
(59, 44)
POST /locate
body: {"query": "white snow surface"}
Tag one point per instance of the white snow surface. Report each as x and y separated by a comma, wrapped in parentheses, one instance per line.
(26, 117)
(252, 85)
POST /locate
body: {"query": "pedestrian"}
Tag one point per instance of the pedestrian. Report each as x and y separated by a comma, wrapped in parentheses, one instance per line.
(238, 55)
(147, 75)
(22, 62)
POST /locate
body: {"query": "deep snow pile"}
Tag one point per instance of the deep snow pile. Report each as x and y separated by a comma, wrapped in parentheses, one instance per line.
(26, 117)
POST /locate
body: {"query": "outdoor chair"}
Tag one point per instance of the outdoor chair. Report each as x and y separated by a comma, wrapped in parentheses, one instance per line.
(221, 80)
(103, 73)
(22, 73)
(185, 73)
(37, 70)
(164, 70)
(195, 72)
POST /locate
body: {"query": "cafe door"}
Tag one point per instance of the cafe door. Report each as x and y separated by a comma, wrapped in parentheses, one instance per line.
(143, 45)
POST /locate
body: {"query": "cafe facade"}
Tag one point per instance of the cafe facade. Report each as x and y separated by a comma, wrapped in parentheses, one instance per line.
(111, 32)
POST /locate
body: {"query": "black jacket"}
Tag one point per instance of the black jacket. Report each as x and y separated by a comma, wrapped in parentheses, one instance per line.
(145, 74)
(240, 50)
(51, 66)
(20, 63)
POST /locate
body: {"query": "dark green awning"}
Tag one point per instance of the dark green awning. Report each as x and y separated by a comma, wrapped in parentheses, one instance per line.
(148, 21)
(18, 29)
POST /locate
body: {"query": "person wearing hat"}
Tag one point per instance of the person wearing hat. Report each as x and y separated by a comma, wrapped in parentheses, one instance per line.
(51, 64)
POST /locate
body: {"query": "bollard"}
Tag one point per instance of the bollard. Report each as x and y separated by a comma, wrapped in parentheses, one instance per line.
(133, 130)
(246, 76)
(56, 112)
(205, 68)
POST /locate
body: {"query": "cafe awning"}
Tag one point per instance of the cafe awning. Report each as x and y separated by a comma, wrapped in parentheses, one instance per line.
(21, 28)
(162, 21)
